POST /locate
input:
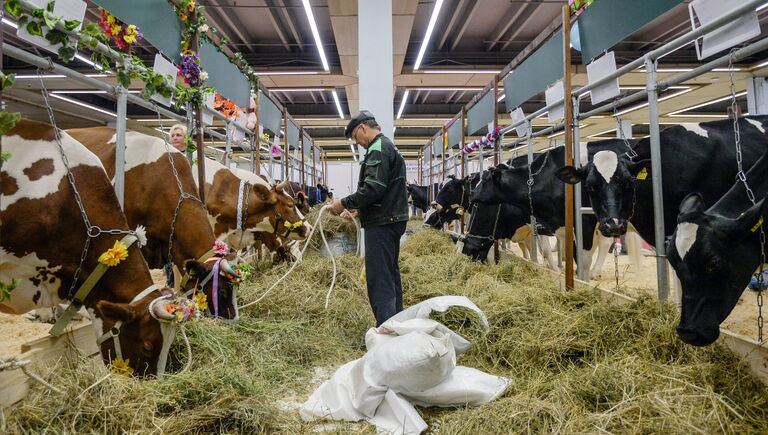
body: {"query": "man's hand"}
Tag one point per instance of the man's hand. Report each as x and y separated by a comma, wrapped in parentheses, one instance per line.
(335, 207)
(349, 214)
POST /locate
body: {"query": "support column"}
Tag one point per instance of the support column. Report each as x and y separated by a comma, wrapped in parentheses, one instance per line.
(374, 29)
(757, 95)
(122, 108)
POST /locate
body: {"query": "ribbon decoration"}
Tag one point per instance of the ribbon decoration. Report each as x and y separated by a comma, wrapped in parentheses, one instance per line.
(486, 141)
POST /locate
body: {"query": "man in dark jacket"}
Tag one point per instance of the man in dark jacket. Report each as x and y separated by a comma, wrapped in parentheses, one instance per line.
(381, 201)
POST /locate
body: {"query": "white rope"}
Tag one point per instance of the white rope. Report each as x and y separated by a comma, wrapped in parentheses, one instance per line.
(317, 223)
(13, 363)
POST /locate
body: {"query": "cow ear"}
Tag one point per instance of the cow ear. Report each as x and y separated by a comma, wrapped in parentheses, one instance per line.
(692, 204)
(749, 222)
(265, 194)
(571, 174)
(195, 268)
(114, 312)
(640, 169)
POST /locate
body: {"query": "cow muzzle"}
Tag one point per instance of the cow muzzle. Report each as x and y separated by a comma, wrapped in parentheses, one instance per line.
(613, 227)
(437, 206)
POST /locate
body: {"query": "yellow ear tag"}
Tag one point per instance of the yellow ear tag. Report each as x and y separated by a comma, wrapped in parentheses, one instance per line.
(758, 224)
(460, 211)
(643, 174)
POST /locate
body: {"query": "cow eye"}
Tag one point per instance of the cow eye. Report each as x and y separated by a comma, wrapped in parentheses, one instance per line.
(712, 266)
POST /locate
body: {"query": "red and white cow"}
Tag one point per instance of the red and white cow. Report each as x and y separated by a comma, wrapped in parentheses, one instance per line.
(151, 199)
(43, 235)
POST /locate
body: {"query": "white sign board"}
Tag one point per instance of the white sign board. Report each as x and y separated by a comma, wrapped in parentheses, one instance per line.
(164, 66)
(743, 29)
(518, 116)
(596, 70)
(68, 10)
(553, 94)
(208, 102)
(237, 134)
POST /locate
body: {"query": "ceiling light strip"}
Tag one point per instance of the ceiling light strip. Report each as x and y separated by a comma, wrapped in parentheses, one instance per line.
(428, 35)
(315, 33)
(402, 104)
(338, 104)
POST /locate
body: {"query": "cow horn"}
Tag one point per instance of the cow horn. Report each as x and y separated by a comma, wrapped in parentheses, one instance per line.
(281, 185)
(226, 268)
(158, 309)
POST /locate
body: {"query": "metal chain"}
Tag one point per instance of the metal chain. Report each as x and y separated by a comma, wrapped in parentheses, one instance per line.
(616, 261)
(182, 194)
(91, 231)
(631, 153)
(530, 187)
(742, 176)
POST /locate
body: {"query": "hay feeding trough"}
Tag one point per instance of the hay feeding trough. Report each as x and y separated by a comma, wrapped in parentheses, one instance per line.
(578, 364)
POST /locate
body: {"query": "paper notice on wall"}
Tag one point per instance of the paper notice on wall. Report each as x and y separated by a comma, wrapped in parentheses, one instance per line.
(596, 70)
(553, 94)
(68, 10)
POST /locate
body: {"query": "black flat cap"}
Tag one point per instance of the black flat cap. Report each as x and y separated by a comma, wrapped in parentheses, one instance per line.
(359, 118)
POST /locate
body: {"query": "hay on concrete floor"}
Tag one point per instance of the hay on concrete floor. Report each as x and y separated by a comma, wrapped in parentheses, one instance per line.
(578, 364)
(332, 225)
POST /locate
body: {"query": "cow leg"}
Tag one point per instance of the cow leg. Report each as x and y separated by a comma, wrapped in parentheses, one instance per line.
(634, 244)
(603, 245)
(546, 252)
(525, 247)
(678, 295)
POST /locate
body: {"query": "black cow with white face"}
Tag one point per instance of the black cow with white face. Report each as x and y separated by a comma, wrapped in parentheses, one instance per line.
(489, 223)
(694, 157)
(715, 251)
(452, 200)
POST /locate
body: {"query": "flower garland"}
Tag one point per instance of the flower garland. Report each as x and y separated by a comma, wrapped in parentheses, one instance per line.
(125, 36)
(227, 107)
(276, 150)
(114, 255)
(578, 6)
(121, 366)
(190, 70)
(220, 248)
(187, 309)
(484, 142)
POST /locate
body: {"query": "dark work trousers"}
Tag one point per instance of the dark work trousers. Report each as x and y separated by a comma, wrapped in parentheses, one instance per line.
(382, 273)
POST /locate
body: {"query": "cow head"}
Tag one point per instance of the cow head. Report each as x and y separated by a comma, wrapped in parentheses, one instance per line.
(491, 188)
(325, 193)
(289, 222)
(141, 340)
(302, 203)
(714, 258)
(200, 274)
(610, 183)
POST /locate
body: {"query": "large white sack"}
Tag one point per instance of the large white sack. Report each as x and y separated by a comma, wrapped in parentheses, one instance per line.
(413, 362)
(346, 396)
(465, 386)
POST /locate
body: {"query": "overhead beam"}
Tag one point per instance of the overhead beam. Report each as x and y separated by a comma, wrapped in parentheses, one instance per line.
(449, 27)
(235, 26)
(464, 25)
(289, 21)
(513, 13)
(519, 28)
(275, 19)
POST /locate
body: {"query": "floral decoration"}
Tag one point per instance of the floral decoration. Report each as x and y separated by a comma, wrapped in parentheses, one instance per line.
(114, 255)
(124, 35)
(121, 366)
(227, 107)
(486, 141)
(184, 310)
(201, 301)
(220, 248)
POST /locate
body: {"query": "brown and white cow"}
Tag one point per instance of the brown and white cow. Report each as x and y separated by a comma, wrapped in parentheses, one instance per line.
(151, 198)
(43, 234)
(264, 208)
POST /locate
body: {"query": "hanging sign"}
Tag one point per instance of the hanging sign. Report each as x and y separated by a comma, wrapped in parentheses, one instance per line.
(596, 70)
(553, 94)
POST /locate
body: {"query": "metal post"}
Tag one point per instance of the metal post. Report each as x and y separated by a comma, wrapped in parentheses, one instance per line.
(496, 150)
(228, 146)
(578, 217)
(463, 159)
(302, 179)
(569, 144)
(658, 202)
(431, 167)
(122, 108)
(256, 158)
(286, 158)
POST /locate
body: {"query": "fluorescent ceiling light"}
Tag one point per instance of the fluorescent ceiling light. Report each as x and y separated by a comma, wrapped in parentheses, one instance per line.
(285, 73)
(10, 23)
(760, 65)
(35, 76)
(677, 112)
(297, 89)
(761, 7)
(601, 133)
(402, 104)
(315, 119)
(155, 120)
(447, 89)
(428, 35)
(315, 33)
(640, 106)
(87, 106)
(354, 151)
(88, 92)
(85, 60)
(338, 104)
(462, 71)
(501, 98)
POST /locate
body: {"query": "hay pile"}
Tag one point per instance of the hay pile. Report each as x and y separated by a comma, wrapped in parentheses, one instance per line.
(578, 364)
(332, 225)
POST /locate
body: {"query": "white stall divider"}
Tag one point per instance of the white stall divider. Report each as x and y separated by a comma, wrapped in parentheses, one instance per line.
(740, 30)
(596, 70)
(164, 66)
(66, 9)
(553, 94)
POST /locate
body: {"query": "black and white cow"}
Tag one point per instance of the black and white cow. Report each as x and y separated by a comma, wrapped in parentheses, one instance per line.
(419, 195)
(494, 222)
(715, 251)
(694, 157)
(503, 184)
(452, 200)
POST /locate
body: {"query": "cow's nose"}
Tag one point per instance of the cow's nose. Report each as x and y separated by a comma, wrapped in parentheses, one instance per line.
(613, 227)
(701, 336)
